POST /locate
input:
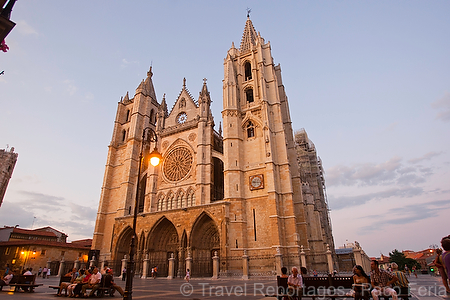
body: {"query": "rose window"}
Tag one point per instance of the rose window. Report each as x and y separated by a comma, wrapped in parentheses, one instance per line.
(177, 164)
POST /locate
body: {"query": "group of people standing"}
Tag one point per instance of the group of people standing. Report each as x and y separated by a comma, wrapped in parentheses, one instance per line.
(45, 272)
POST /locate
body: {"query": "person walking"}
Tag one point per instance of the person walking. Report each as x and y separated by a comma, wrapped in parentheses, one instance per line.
(124, 274)
(188, 275)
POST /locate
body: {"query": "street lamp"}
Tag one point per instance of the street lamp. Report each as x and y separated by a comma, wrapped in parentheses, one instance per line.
(155, 159)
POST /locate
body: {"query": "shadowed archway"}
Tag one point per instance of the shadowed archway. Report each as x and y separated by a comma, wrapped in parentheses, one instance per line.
(162, 242)
(204, 241)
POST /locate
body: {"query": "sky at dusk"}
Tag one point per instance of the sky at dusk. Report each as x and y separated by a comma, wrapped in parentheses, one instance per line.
(368, 80)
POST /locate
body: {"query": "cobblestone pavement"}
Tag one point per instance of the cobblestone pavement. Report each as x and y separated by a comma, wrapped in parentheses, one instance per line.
(425, 287)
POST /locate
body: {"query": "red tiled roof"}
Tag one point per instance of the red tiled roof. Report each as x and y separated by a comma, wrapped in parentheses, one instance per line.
(45, 243)
(34, 232)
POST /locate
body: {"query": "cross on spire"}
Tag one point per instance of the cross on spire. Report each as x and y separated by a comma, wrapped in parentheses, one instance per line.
(204, 80)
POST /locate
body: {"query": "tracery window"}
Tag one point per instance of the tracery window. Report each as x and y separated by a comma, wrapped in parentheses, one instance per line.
(177, 164)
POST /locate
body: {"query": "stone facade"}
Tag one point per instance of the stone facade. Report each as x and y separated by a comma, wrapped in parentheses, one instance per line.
(8, 160)
(238, 192)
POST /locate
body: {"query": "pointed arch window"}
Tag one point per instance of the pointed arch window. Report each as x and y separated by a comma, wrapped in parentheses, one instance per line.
(141, 198)
(191, 198)
(160, 202)
(124, 135)
(247, 71)
(128, 116)
(250, 130)
(152, 116)
(249, 95)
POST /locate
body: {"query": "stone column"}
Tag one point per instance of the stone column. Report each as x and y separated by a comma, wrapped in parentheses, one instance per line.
(245, 265)
(124, 264)
(303, 257)
(329, 260)
(76, 264)
(357, 255)
(180, 263)
(102, 265)
(92, 262)
(189, 261)
(61, 267)
(278, 261)
(215, 266)
(145, 266)
(171, 266)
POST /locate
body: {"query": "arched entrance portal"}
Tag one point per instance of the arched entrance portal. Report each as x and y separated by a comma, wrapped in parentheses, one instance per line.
(162, 243)
(204, 241)
(122, 249)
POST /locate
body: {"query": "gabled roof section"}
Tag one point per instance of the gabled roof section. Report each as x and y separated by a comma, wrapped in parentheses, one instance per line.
(184, 94)
(249, 36)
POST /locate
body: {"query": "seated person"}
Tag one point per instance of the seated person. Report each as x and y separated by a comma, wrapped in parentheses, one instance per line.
(64, 285)
(93, 283)
(361, 284)
(381, 282)
(6, 280)
(109, 282)
(401, 285)
(295, 284)
(77, 289)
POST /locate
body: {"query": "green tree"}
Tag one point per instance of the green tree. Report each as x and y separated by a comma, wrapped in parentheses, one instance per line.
(401, 260)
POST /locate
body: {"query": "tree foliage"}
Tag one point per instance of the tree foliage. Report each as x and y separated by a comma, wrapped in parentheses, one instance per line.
(401, 260)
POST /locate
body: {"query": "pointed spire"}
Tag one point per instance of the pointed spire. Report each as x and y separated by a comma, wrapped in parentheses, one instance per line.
(126, 98)
(163, 106)
(148, 85)
(220, 128)
(184, 83)
(204, 94)
(249, 36)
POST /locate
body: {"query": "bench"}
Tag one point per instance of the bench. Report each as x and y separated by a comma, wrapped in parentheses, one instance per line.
(330, 287)
(26, 282)
(327, 286)
(61, 280)
(103, 289)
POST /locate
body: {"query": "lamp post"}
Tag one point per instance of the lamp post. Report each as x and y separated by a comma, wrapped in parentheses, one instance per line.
(155, 158)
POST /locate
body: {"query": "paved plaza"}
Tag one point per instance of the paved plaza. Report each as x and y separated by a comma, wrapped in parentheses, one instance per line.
(425, 287)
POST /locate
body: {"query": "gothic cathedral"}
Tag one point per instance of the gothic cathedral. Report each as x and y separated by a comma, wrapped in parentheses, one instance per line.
(251, 197)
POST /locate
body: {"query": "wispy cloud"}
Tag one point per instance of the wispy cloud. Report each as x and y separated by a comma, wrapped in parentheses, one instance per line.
(426, 156)
(125, 63)
(345, 202)
(443, 105)
(70, 87)
(50, 210)
(405, 215)
(24, 28)
(391, 172)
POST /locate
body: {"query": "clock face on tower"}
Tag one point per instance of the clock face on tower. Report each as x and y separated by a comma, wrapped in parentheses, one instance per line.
(256, 182)
(181, 118)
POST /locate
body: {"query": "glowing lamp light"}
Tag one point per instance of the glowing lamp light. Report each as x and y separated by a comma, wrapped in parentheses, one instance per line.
(155, 158)
(23, 252)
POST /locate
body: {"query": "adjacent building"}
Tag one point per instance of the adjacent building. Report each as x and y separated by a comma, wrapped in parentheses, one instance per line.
(42, 247)
(248, 196)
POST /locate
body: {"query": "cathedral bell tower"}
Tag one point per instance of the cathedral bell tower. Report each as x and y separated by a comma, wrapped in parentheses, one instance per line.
(261, 174)
(119, 182)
